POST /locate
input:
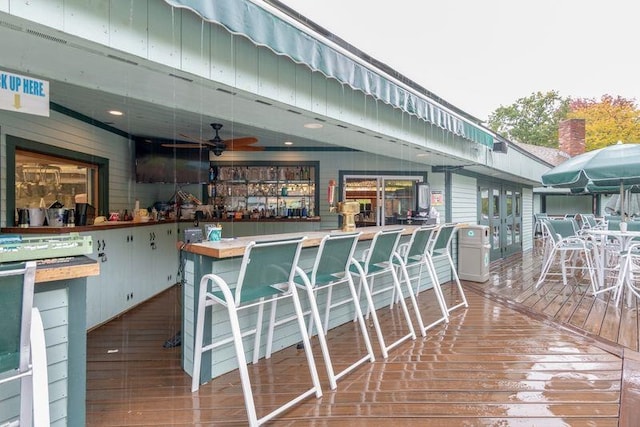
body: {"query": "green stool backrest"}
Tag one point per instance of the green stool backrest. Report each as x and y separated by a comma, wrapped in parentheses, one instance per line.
(334, 256)
(16, 300)
(590, 220)
(613, 224)
(444, 238)
(419, 240)
(564, 227)
(633, 225)
(265, 264)
(383, 246)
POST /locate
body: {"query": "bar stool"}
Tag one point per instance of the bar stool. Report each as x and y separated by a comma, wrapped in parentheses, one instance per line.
(330, 270)
(267, 272)
(441, 249)
(416, 254)
(378, 260)
(23, 353)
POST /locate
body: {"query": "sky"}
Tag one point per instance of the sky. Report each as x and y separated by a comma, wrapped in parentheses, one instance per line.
(482, 54)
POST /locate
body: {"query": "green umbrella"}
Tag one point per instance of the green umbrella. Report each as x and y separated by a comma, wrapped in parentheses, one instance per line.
(599, 170)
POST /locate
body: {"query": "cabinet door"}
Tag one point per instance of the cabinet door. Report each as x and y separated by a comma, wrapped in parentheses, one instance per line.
(115, 272)
(94, 283)
(164, 258)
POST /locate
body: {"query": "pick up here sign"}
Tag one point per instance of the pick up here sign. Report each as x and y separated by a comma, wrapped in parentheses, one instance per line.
(24, 94)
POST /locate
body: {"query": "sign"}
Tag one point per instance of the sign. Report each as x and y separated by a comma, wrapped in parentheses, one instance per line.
(24, 94)
(437, 198)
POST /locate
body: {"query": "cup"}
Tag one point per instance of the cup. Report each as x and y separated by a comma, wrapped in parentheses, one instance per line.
(23, 218)
(214, 234)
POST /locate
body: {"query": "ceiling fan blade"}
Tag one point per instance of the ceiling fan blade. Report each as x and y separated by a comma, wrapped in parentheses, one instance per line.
(241, 141)
(186, 145)
(192, 138)
(243, 148)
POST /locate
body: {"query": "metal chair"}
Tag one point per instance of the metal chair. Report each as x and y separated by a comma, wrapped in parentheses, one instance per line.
(23, 353)
(440, 249)
(378, 260)
(629, 277)
(537, 225)
(565, 242)
(330, 270)
(267, 272)
(416, 254)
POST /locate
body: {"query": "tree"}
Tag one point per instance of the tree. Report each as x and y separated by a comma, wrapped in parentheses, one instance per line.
(531, 120)
(607, 121)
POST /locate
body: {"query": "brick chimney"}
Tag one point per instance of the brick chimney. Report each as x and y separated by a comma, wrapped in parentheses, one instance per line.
(571, 136)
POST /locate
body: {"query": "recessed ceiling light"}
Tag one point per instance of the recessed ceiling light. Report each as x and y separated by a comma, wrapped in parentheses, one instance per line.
(288, 143)
(313, 125)
(422, 155)
(115, 112)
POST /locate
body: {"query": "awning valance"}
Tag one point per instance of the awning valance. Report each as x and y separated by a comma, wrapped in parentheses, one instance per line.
(264, 28)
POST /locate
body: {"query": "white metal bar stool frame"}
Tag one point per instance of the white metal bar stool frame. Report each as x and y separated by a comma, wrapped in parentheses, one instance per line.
(441, 249)
(267, 271)
(378, 260)
(23, 353)
(567, 244)
(330, 269)
(417, 254)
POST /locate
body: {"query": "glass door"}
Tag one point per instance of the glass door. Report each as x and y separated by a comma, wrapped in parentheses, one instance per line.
(384, 200)
(500, 208)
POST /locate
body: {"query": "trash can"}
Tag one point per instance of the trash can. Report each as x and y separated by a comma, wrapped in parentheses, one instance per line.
(474, 253)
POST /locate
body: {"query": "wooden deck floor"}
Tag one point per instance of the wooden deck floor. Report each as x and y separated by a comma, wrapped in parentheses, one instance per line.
(514, 357)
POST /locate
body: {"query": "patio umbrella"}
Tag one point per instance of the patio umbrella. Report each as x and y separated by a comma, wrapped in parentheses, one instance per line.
(615, 166)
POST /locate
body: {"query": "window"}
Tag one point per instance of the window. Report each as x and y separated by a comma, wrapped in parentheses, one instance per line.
(37, 171)
(47, 179)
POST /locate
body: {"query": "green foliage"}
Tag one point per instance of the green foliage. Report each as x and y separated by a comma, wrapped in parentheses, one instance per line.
(531, 120)
(607, 120)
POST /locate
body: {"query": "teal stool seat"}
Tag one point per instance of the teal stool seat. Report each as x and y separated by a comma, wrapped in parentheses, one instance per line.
(440, 249)
(378, 260)
(416, 254)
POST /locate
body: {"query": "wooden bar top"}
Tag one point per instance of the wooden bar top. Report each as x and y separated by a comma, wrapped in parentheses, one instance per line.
(49, 270)
(227, 248)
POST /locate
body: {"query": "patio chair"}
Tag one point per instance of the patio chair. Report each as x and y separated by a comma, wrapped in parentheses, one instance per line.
(267, 272)
(537, 225)
(378, 260)
(23, 353)
(416, 255)
(440, 249)
(568, 245)
(629, 278)
(589, 221)
(330, 271)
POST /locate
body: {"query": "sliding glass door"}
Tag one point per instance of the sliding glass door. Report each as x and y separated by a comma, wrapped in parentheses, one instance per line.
(383, 199)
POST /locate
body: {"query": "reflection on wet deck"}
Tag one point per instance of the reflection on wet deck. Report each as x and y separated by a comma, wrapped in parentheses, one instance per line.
(514, 357)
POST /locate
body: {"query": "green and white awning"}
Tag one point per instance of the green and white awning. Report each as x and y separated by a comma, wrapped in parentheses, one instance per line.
(264, 28)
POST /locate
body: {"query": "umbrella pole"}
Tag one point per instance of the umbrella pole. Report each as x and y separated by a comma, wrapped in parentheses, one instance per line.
(622, 208)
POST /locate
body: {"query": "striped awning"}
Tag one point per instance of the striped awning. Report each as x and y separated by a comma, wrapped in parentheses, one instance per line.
(286, 37)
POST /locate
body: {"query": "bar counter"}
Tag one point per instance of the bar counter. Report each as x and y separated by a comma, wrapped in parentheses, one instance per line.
(224, 258)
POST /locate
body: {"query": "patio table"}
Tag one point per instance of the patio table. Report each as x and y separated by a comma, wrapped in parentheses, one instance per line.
(624, 239)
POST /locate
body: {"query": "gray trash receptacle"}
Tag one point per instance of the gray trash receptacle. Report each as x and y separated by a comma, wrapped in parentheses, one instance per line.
(474, 247)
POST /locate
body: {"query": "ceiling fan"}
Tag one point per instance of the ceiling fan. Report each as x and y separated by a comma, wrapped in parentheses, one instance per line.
(217, 144)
